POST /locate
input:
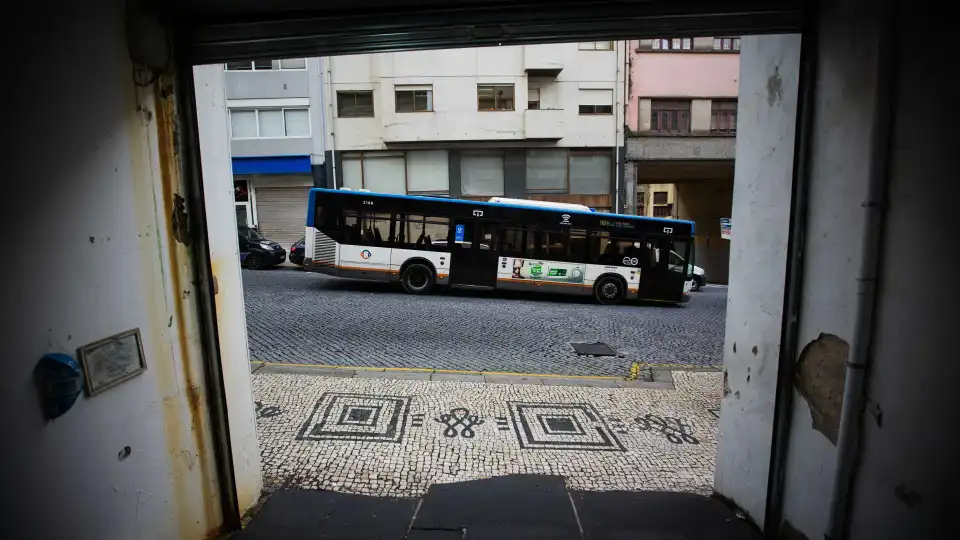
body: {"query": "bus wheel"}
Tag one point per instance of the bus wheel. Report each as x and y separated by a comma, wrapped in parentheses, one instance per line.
(609, 290)
(417, 279)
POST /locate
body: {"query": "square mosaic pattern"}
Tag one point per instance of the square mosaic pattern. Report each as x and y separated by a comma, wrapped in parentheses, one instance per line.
(357, 417)
(561, 426)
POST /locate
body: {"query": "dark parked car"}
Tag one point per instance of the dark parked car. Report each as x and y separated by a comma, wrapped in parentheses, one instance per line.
(297, 252)
(257, 252)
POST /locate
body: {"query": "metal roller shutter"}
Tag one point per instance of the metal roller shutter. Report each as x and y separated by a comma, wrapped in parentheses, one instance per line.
(217, 30)
(282, 213)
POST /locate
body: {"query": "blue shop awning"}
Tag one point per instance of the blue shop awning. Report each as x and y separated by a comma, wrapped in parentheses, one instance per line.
(271, 165)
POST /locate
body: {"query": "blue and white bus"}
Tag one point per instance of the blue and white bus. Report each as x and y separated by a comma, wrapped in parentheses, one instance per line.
(424, 242)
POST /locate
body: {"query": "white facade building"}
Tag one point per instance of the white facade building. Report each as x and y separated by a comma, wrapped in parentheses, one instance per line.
(539, 121)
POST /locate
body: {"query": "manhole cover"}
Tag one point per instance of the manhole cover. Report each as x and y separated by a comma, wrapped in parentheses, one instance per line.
(593, 349)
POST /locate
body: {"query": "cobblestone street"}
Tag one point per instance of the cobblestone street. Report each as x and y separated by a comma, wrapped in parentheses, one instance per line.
(299, 317)
(396, 437)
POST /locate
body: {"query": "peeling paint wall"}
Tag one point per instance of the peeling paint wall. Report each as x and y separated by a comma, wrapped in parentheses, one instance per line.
(225, 261)
(758, 261)
(839, 164)
(93, 209)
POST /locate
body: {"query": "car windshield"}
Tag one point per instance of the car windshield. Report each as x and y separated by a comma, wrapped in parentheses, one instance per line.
(251, 234)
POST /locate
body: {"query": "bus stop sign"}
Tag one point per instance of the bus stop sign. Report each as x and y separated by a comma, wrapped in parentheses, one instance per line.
(459, 233)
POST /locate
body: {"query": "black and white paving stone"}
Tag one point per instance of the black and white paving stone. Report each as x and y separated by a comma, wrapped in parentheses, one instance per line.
(396, 437)
(299, 317)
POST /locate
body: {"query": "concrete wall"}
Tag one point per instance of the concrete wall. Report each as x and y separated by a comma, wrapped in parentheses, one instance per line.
(455, 75)
(100, 258)
(267, 84)
(689, 148)
(905, 485)
(705, 203)
(758, 258)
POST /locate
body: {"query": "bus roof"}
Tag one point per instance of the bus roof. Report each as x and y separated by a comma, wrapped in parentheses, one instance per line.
(497, 204)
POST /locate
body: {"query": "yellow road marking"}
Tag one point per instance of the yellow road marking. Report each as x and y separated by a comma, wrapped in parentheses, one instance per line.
(453, 371)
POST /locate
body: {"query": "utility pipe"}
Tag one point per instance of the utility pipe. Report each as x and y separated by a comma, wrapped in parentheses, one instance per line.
(854, 395)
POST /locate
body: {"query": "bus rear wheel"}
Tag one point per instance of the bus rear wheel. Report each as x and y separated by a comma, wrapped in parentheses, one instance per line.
(417, 279)
(609, 290)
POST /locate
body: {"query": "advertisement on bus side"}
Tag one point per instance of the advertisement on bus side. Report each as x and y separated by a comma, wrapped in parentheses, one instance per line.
(548, 271)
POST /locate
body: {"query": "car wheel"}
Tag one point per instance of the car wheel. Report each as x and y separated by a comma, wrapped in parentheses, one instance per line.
(417, 279)
(697, 283)
(609, 290)
(254, 261)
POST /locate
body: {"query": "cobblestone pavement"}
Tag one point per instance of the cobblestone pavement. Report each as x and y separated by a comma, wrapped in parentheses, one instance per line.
(299, 317)
(392, 437)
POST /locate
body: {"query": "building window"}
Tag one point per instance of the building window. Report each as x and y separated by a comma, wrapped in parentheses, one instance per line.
(596, 101)
(673, 44)
(533, 98)
(269, 123)
(414, 98)
(665, 210)
(494, 97)
(723, 117)
(481, 174)
(591, 173)
(355, 103)
(547, 170)
(726, 44)
(670, 116)
(596, 45)
(659, 197)
(288, 64)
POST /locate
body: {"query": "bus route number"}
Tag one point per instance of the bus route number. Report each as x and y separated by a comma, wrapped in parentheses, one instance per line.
(608, 223)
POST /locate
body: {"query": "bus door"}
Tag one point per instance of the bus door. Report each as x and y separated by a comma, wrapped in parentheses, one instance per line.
(473, 253)
(663, 267)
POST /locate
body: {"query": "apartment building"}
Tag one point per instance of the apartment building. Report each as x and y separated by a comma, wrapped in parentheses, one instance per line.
(682, 123)
(277, 142)
(540, 122)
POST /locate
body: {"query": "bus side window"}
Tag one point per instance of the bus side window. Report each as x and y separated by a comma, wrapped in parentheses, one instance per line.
(512, 243)
(578, 246)
(351, 228)
(530, 244)
(599, 240)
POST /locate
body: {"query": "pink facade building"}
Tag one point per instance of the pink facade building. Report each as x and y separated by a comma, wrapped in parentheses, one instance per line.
(681, 118)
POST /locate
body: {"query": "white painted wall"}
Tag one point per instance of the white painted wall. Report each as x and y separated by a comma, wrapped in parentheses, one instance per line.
(224, 258)
(99, 259)
(455, 74)
(758, 255)
(842, 123)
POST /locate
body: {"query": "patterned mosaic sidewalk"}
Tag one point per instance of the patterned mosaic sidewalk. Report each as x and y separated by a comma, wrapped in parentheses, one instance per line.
(391, 437)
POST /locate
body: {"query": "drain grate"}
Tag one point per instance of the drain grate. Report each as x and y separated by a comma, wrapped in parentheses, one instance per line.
(593, 349)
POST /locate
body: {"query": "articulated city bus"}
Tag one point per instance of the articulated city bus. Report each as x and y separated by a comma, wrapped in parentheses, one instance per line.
(423, 242)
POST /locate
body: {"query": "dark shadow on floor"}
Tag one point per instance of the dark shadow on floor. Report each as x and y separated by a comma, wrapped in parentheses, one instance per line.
(520, 507)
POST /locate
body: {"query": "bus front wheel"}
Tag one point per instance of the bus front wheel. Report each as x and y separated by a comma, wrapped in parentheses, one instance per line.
(610, 290)
(417, 279)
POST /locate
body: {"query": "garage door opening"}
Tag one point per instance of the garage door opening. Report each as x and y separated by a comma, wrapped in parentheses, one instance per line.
(365, 385)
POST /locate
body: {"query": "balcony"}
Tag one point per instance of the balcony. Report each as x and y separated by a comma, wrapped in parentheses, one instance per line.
(542, 61)
(543, 124)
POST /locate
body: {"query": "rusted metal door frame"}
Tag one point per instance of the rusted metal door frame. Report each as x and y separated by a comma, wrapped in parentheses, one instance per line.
(194, 235)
